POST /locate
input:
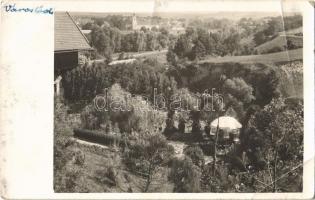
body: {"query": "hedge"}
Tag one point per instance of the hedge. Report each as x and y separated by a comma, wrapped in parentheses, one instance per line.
(97, 137)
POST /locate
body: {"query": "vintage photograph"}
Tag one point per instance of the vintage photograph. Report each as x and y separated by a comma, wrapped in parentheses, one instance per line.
(175, 102)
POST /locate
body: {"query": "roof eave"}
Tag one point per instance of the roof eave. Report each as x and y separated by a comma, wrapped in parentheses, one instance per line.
(87, 41)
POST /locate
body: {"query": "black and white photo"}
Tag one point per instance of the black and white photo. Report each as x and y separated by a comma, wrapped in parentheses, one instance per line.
(178, 102)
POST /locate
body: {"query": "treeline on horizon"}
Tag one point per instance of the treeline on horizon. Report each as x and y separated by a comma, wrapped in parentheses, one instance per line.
(216, 37)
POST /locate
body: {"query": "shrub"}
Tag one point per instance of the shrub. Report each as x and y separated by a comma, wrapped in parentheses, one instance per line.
(66, 173)
(223, 180)
(111, 174)
(79, 158)
(185, 175)
(96, 136)
(274, 49)
(89, 118)
(147, 156)
(195, 154)
(71, 177)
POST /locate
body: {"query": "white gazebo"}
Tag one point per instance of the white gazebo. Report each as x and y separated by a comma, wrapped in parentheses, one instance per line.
(229, 128)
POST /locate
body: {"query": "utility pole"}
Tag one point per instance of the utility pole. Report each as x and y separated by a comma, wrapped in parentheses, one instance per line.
(215, 147)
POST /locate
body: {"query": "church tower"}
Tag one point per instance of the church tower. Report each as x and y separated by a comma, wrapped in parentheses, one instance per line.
(134, 22)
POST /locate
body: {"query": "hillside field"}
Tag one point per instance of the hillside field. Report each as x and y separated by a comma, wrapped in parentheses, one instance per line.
(279, 42)
(284, 56)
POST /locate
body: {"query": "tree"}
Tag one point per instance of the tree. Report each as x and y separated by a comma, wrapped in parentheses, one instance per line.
(139, 41)
(118, 106)
(163, 40)
(143, 29)
(99, 21)
(127, 43)
(150, 154)
(279, 126)
(217, 48)
(185, 175)
(67, 162)
(154, 29)
(191, 34)
(195, 154)
(183, 46)
(171, 57)
(291, 44)
(87, 26)
(117, 21)
(101, 41)
(190, 103)
(232, 43)
(237, 93)
(164, 31)
(181, 125)
(198, 51)
(259, 38)
(151, 41)
(206, 40)
(274, 25)
(267, 84)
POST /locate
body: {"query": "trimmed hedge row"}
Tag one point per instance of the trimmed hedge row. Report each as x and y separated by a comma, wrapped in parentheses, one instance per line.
(97, 137)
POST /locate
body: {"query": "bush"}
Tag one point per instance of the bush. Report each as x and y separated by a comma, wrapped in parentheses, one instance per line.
(147, 156)
(195, 154)
(79, 158)
(224, 179)
(185, 175)
(130, 113)
(96, 136)
(66, 173)
(71, 177)
(274, 49)
(111, 174)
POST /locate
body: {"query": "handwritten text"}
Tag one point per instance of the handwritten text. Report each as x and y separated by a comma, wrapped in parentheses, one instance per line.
(38, 9)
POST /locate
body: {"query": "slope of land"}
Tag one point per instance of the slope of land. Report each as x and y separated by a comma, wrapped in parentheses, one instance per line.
(284, 56)
(280, 42)
(292, 31)
(101, 160)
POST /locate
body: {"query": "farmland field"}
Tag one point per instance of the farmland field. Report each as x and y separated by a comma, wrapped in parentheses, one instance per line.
(280, 42)
(292, 31)
(291, 55)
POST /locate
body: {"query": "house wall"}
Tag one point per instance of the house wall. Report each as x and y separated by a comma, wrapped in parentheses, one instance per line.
(65, 61)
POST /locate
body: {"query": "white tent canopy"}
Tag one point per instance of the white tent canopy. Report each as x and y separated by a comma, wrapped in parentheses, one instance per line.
(226, 122)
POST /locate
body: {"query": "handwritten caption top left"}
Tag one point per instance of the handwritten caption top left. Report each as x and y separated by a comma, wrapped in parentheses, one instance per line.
(37, 9)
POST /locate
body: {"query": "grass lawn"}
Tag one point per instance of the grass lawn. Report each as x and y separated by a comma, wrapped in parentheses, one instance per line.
(284, 56)
(280, 41)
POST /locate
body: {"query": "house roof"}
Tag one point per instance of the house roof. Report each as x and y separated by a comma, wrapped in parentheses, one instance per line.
(226, 122)
(68, 36)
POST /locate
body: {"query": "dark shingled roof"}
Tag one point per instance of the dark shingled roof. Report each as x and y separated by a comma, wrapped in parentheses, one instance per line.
(68, 36)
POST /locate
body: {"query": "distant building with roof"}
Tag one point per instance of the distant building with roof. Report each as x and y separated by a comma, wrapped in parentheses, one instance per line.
(69, 41)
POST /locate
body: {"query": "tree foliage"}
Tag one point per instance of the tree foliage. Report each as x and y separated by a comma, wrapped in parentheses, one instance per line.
(130, 113)
(67, 162)
(185, 175)
(147, 156)
(279, 130)
(138, 78)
